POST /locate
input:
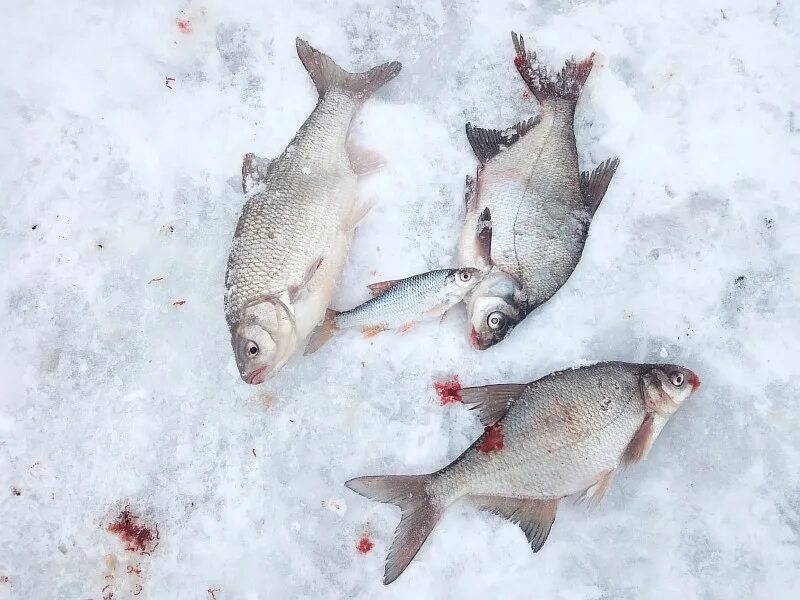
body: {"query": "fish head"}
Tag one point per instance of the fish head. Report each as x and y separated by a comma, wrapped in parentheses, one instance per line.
(495, 306)
(264, 339)
(665, 387)
(460, 282)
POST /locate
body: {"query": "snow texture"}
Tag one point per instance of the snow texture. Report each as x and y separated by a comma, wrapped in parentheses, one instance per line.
(121, 140)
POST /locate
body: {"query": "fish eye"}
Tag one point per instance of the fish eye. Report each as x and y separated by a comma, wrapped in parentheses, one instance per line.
(677, 379)
(252, 349)
(496, 321)
(465, 276)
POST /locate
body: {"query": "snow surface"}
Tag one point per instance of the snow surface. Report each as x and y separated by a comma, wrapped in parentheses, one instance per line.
(114, 396)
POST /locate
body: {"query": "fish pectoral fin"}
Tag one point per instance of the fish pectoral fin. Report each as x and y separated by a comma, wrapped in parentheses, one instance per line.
(254, 170)
(418, 518)
(437, 311)
(640, 443)
(297, 290)
(488, 143)
(372, 330)
(364, 161)
(378, 288)
(323, 332)
(360, 210)
(406, 327)
(597, 491)
(595, 184)
(483, 237)
(534, 516)
(492, 401)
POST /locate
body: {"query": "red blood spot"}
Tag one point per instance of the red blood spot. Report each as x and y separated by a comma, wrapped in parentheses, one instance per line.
(134, 570)
(492, 438)
(167, 82)
(364, 545)
(526, 95)
(138, 538)
(449, 391)
(179, 303)
(4, 579)
(517, 60)
(184, 25)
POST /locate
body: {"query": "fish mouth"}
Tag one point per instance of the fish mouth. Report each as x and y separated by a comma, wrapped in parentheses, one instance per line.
(258, 376)
(475, 341)
(694, 381)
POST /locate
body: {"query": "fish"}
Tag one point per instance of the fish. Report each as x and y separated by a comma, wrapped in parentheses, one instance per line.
(541, 204)
(565, 434)
(301, 208)
(400, 304)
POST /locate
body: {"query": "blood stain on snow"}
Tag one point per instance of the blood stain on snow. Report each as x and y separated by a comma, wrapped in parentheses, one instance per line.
(213, 593)
(179, 303)
(184, 25)
(492, 438)
(449, 392)
(526, 95)
(137, 537)
(4, 579)
(364, 545)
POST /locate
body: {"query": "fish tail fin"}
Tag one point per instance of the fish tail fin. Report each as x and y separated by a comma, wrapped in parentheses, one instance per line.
(419, 514)
(327, 75)
(545, 85)
(323, 332)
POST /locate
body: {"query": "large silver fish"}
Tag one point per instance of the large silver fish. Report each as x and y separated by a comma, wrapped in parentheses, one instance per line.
(292, 238)
(399, 304)
(541, 205)
(567, 433)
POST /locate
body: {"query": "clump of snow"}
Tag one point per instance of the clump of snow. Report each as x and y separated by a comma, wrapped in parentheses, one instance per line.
(120, 152)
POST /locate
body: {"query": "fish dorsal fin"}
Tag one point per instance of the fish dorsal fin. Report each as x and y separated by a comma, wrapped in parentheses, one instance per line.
(376, 289)
(534, 516)
(595, 184)
(640, 442)
(484, 236)
(254, 170)
(488, 143)
(492, 401)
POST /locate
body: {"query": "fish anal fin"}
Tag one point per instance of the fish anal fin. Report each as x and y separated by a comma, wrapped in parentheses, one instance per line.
(364, 161)
(534, 516)
(488, 143)
(545, 85)
(640, 443)
(372, 330)
(492, 401)
(419, 514)
(297, 290)
(254, 170)
(597, 491)
(378, 288)
(323, 332)
(594, 184)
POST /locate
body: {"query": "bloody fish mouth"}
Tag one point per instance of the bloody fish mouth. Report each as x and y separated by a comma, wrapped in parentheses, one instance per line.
(475, 341)
(694, 381)
(258, 376)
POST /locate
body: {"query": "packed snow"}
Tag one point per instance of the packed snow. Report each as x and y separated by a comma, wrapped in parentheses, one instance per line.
(134, 462)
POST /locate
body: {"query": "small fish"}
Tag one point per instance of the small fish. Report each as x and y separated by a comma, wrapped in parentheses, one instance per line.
(541, 204)
(567, 433)
(291, 241)
(400, 304)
